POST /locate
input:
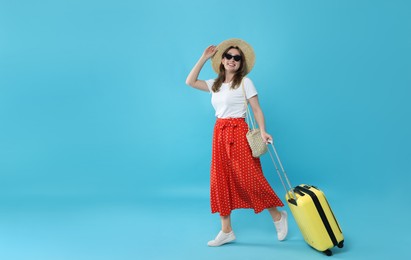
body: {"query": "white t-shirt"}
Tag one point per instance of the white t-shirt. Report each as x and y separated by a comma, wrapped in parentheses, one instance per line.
(229, 103)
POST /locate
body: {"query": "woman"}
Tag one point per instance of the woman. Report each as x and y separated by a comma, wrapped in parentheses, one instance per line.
(237, 180)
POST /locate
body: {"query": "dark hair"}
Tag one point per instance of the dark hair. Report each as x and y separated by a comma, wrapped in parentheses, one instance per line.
(238, 76)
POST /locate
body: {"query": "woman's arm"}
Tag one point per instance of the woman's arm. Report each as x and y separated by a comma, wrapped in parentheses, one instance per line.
(259, 118)
(192, 78)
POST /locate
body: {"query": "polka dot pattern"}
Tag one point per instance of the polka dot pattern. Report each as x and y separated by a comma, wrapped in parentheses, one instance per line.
(237, 180)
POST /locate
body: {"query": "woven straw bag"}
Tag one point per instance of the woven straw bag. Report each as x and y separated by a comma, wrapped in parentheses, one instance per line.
(256, 142)
(257, 145)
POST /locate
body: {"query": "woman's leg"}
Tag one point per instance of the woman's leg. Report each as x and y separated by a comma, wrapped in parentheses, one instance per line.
(275, 214)
(226, 224)
(280, 222)
(226, 234)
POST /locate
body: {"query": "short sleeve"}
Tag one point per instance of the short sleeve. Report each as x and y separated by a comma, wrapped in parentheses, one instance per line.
(249, 87)
(210, 84)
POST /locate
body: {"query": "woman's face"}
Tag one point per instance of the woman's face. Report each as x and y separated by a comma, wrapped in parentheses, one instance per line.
(232, 60)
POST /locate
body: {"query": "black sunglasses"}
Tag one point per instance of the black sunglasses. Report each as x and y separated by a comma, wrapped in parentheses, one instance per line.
(229, 57)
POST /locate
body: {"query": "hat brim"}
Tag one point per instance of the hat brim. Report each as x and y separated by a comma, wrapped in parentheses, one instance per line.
(245, 48)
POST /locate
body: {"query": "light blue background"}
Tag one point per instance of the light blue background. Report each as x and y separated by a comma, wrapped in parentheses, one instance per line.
(104, 152)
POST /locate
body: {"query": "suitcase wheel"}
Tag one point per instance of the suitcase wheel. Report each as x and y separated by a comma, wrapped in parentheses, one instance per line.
(328, 252)
(341, 244)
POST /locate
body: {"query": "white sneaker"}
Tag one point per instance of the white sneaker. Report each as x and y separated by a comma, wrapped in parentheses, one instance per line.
(282, 226)
(222, 238)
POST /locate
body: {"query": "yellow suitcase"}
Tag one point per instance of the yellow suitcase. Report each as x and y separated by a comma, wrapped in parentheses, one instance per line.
(315, 218)
(312, 213)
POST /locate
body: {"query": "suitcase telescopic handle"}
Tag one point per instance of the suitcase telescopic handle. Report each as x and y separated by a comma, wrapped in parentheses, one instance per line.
(282, 170)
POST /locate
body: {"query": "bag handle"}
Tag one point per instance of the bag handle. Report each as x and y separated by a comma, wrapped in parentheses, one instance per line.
(248, 116)
(282, 170)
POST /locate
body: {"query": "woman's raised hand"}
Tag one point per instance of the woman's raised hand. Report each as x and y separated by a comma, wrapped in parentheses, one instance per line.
(192, 78)
(209, 51)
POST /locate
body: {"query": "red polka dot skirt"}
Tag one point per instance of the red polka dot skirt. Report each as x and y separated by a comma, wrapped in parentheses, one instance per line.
(237, 180)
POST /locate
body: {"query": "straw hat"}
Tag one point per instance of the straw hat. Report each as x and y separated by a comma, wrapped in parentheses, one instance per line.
(245, 48)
